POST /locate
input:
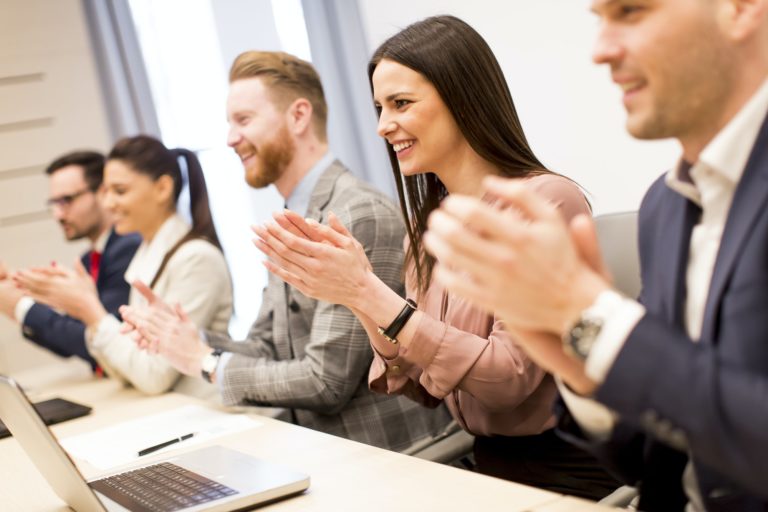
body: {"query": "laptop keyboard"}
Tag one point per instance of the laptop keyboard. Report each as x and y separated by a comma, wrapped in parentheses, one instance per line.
(160, 487)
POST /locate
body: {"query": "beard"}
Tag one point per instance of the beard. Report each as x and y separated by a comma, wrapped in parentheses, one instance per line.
(71, 232)
(270, 161)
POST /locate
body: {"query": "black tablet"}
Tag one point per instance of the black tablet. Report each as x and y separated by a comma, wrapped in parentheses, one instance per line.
(53, 411)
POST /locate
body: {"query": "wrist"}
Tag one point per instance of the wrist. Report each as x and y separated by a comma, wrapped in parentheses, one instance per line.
(369, 289)
(391, 332)
(93, 314)
(584, 292)
(206, 363)
(578, 381)
(8, 308)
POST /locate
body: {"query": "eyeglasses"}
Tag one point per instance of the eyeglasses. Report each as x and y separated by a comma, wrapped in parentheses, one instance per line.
(66, 200)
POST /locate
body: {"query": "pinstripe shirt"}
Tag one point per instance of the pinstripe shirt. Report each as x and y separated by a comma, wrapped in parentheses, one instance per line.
(312, 356)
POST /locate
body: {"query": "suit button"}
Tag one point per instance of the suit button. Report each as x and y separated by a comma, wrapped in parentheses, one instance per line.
(294, 306)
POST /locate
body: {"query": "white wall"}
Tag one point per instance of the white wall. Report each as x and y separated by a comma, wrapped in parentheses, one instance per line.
(50, 103)
(569, 108)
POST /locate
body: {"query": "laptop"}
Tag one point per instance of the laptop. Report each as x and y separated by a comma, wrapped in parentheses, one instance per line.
(210, 479)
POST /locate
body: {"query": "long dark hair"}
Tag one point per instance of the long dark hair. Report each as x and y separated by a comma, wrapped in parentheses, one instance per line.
(147, 155)
(461, 66)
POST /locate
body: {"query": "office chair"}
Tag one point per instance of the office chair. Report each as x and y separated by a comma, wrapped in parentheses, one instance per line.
(617, 233)
(449, 446)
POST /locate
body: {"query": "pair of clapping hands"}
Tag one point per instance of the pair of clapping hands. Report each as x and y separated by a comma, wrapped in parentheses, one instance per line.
(69, 290)
(513, 255)
(314, 258)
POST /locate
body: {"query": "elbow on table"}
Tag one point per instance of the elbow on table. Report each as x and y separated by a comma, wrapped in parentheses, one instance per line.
(154, 386)
(332, 399)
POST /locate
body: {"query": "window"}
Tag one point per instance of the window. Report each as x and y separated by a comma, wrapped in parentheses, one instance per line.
(187, 57)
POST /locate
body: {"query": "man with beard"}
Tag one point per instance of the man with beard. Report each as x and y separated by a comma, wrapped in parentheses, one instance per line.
(306, 355)
(75, 184)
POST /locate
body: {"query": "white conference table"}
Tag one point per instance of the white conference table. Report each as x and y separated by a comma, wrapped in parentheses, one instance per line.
(345, 475)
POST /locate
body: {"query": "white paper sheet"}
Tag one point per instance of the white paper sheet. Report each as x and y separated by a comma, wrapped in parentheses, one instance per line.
(120, 444)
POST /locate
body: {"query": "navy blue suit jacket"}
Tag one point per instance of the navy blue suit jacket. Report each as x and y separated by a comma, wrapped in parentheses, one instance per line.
(710, 398)
(65, 335)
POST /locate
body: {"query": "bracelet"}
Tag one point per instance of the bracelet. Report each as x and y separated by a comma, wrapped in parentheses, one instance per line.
(391, 332)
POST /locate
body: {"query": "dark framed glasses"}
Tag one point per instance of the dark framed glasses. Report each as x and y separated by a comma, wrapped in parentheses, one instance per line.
(66, 200)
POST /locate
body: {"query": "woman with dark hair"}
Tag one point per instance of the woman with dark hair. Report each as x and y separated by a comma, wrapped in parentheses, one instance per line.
(448, 118)
(181, 263)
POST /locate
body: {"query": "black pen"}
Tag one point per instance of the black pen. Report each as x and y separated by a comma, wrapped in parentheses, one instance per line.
(152, 449)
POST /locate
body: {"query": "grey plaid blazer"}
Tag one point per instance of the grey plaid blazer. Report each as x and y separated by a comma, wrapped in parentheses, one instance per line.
(312, 356)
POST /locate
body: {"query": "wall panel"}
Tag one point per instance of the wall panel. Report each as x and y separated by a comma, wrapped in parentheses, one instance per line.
(51, 103)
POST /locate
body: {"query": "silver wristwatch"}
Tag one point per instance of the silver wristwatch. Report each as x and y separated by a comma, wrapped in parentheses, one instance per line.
(209, 364)
(579, 339)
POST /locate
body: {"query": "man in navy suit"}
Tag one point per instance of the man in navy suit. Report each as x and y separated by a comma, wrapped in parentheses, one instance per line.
(671, 391)
(74, 183)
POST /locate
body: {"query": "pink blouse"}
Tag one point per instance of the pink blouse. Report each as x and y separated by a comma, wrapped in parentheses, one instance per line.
(462, 355)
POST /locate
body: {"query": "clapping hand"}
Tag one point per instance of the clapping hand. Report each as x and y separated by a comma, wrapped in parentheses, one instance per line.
(166, 330)
(323, 262)
(70, 290)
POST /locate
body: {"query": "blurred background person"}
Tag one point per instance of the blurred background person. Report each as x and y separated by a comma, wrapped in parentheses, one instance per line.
(75, 200)
(183, 264)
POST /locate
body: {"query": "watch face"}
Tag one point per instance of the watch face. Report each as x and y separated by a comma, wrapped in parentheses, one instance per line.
(583, 336)
(209, 362)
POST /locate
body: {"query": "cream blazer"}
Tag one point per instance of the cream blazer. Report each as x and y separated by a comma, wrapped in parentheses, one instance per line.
(198, 279)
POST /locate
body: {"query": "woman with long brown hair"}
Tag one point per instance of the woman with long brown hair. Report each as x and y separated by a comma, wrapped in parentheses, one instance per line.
(449, 120)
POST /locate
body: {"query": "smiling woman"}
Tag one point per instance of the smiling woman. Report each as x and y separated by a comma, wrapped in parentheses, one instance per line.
(182, 264)
(449, 121)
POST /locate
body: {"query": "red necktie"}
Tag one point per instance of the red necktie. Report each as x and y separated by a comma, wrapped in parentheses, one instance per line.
(95, 262)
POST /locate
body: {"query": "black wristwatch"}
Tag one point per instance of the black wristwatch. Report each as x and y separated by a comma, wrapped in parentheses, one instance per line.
(209, 364)
(391, 332)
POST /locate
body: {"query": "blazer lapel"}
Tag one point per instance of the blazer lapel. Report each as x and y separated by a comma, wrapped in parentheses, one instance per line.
(322, 192)
(749, 201)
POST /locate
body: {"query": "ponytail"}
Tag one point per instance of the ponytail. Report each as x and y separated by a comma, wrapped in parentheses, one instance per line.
(199, 205)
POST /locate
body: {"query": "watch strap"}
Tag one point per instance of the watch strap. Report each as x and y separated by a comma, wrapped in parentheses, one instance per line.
(391, 331)
(207, 373)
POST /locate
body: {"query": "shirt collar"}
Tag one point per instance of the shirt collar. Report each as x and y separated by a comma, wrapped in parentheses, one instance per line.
(727, 153)
(148, 257)
(298, 201)
(101, 242)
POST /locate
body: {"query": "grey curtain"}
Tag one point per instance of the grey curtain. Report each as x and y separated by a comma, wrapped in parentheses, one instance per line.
(121, 68)
(340, 53)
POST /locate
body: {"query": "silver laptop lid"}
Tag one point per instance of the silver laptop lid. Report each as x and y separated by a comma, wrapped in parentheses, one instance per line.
(42, 447)
(255, 480)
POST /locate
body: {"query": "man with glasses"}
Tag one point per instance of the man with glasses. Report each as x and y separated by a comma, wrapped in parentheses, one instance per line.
(75, 185)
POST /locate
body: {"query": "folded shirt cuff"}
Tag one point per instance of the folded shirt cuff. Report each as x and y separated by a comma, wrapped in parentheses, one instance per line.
(94, 337)
(22, 308)
(619, 315)
(220, 368)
